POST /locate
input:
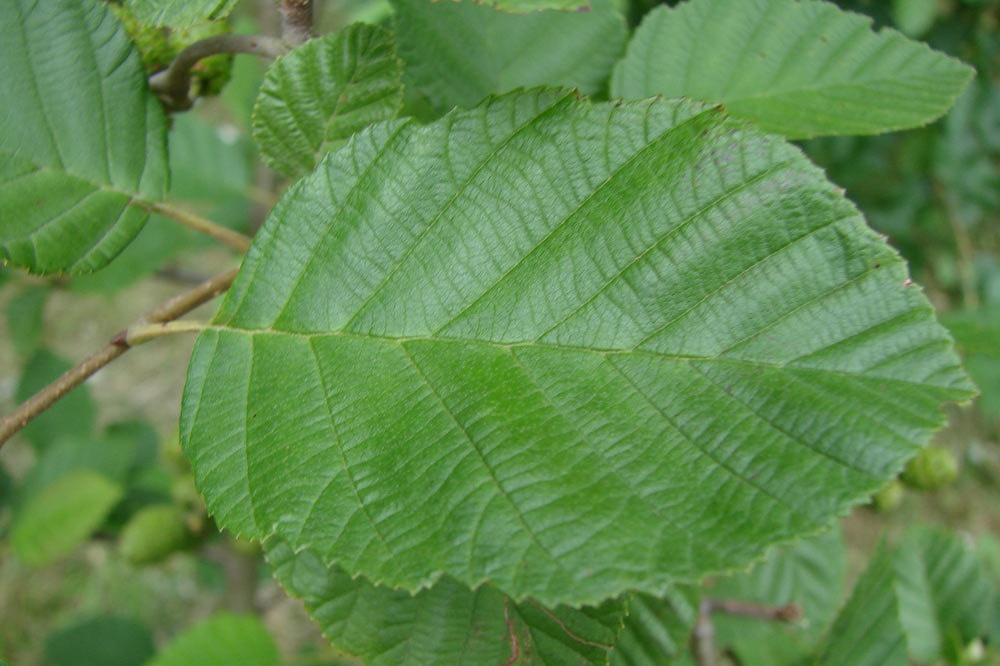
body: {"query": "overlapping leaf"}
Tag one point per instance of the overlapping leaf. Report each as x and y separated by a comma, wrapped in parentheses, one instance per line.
(809, 573)
(179, 13)
(800, 69)
(867, 630)
(571, 349)
(457, 53)
(943, 591)
(657, 629)
(315, 97)
(81, 136)
(446, 624)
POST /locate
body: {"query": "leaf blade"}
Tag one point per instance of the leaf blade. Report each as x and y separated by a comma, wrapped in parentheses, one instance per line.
(544, 436)
(800, 69)
(296, 120)
(66, 180)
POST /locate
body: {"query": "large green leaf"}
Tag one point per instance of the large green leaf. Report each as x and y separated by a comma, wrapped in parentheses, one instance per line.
(657, 630)
(457, 53)
(179, 13)
(867, 631)
(798, 68)
(810, 573)
(571, 349)
(81, 136)
(62, 516)
(223, 638)
(446, 624)
(315, 97)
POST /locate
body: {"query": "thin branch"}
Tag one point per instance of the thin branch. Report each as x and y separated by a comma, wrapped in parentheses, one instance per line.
(703, 635)
(791, 612)
(172, 309)
(234, 239)
(140, 333)
(296, 21)
(173, 85)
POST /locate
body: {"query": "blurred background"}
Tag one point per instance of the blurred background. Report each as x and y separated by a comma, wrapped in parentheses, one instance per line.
(104, 583)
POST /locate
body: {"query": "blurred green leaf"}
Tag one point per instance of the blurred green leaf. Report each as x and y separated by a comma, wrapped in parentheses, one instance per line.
(142, 434)
(914, 17)
(112, 457)
(942, 588)
(25, 318)
(240, 93)
(977, 336)
(657, 630)
(810, 573)
(457, 53)
(799, 69)
(73, 414)
(867, 631)
(105, 640)
(62, 516)
(223, 639)
(324, 91)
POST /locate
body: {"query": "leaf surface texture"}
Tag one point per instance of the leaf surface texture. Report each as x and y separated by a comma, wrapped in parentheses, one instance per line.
(571, 349)
(81, 136)
(315, 97)
(799, 69)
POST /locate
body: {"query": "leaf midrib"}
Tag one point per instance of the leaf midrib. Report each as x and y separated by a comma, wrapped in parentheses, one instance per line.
(610, 352)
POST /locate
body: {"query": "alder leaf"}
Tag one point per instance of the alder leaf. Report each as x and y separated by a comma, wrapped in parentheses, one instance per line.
(798, 68)
(81, 136)
(446, 624)
(867, 631)
(62, 516)
(809, 573)
(318, 95)
(943, 591)
(223, 638)
(657, 630)
(457, 53)
(179, 13)
(573, 349)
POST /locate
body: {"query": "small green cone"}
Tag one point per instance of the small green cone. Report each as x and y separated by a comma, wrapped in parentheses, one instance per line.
(153, 533)
(933, 468)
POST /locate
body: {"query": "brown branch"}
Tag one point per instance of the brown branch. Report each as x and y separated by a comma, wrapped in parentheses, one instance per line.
(791, 612)
(172, 309)
(515, 645)
(296, 21)
(173, 85)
